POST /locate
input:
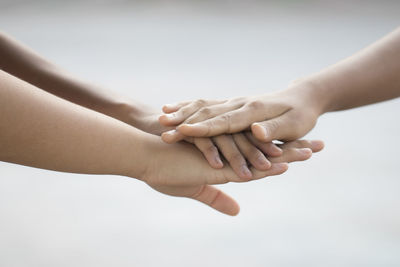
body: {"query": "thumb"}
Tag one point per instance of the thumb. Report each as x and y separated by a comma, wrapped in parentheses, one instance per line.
(280, 128)
(217, 199)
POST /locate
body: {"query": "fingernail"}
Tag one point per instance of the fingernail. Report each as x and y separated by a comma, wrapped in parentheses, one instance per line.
(277, 148)
(170, 116)
(218, 161)
(262, 129)
(262, 160)
(316, 144)
(171, 132)
(185, 125)
(245, 171)
(305, 151)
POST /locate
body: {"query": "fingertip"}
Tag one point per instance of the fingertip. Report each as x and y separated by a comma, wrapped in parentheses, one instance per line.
(245, 173)
(317, 145)
(268, 165)
(230, 208)
(282, 167)
(166, 138)
(234, 211)
(259, 132)
(169, 119)
(276, 151)
(272, 150)
(262, 163)
(225, 204)
(218, 162)
(168, 108)
(171, 137)
(165, 109)
(306, 153)
(163, 120)
(214, 161)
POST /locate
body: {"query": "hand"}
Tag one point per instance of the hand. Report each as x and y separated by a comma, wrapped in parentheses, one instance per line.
(179, 170)
(285, 115)
(237, 149)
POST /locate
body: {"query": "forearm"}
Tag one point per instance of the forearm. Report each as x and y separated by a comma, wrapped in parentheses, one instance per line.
(44, 131)
(372, 75)
(25, 64)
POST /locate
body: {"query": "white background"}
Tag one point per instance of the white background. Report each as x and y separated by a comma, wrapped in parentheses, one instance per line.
(340, 208)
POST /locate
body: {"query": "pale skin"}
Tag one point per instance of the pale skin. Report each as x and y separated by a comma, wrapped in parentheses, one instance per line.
(237, 149)
(371, 75)
(42, 130)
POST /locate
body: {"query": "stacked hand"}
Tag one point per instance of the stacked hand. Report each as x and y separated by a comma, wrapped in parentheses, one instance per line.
(237, 149)
(285, 115)
(240, 129)
(193, 178)
(180, 170)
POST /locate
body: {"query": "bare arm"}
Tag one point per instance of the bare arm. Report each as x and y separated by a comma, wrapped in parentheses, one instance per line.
(370, 76)
(41, 130)
(24, 63)
(21, 61)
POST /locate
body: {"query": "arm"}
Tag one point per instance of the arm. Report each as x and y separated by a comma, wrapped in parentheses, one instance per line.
(41, 130)
(370, 76)
(24, 63)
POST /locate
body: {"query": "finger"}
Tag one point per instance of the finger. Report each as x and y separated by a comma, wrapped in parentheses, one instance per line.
(210, 151)
(251, 153)
(217, 199)
(314, 145)
(186, 111)
(292, 154)
(227, 174)
(168, 108)
(228, 148)
(268, 148)
(172, 136)
(231, 122)
(276, 169)
(212, 111)
(279, 128)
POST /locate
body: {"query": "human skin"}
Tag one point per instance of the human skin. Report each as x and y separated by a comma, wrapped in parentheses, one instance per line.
(371, 75)
(41, 130)
(27, 65)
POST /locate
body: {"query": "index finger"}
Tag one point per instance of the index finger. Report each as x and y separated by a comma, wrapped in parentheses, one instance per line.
(231, 122)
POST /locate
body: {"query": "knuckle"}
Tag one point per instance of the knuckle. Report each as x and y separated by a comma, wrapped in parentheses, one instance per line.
(226, 119)
(255, 105)
(205, 111)
(200, 102)
(183, 112)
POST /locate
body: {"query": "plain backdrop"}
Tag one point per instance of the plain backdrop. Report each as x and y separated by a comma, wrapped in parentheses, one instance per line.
(340, 208)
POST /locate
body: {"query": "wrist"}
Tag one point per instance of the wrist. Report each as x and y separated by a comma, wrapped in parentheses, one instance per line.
(130, 112)
(148, 155)
(140, 156)
(312, 92)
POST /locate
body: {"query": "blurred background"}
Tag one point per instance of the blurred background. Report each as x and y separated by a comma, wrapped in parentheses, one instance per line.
(340, 208)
